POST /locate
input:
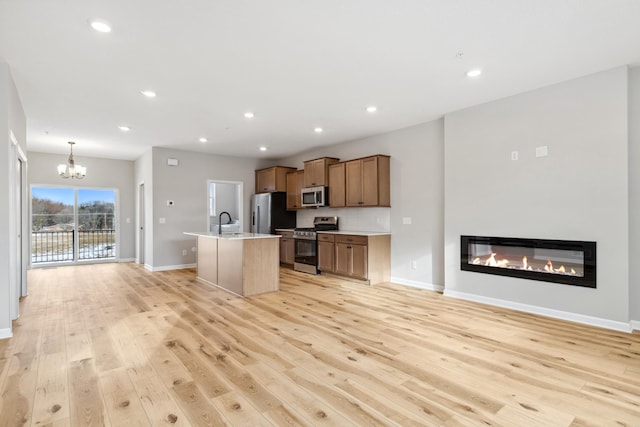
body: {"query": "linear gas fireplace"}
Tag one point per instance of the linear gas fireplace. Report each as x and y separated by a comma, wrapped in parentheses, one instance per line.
(558, 261)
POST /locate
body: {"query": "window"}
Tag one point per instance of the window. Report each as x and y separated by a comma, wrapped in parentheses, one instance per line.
(71, 224)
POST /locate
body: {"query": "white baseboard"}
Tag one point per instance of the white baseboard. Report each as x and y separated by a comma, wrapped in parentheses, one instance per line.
(169, 267)
(417, 284)
(635, 325)
(126, 260)
(6, 333)
(557, 314)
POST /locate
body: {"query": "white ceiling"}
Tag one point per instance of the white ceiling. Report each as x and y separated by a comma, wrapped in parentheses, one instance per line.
(296, 64)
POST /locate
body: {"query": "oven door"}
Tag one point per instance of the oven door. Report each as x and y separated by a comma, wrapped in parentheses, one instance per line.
(306, 255)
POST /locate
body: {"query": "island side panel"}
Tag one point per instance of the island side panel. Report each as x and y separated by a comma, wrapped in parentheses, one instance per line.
(208, 259)
(261, 266)
(230, 265)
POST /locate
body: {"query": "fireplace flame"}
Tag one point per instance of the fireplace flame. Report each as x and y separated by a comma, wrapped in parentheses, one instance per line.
(491, 261)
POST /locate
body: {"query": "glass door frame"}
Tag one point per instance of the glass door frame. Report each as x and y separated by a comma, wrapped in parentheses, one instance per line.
(76, 237)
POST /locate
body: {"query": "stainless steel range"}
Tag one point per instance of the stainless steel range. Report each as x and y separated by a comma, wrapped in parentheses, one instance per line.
(306, 243)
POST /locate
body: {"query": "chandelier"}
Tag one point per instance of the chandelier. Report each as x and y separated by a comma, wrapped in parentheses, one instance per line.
(71, 170)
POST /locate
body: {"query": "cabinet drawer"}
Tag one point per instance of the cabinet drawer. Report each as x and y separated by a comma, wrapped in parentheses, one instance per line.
(348, 238)
(285, 234)
(326, 237)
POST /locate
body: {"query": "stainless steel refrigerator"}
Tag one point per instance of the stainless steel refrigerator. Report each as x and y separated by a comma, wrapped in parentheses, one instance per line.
(269, 211)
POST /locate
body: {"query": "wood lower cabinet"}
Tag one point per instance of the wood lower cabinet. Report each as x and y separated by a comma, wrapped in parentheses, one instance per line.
(287, 247)
(351, 256)
(366, 258)
(316, 171)
(326, 253)
(272, 179)
(295, 183)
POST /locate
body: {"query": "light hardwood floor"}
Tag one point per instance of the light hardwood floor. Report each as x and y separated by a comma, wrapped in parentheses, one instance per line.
(113, 344)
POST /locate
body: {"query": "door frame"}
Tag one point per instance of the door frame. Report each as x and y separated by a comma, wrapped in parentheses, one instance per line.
(18, 217)
(141, 224)
(239, 200)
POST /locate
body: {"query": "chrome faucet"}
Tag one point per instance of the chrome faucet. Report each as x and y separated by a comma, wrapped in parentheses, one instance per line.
(220, 220)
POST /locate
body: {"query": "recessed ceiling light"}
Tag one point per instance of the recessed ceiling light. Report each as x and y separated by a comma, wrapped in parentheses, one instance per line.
(372, 109)
(249, 115)
(100, 26)
(124, 128)
(474, 73)
(263, 148)
(203, 139)
(148, 93)
(318, 130)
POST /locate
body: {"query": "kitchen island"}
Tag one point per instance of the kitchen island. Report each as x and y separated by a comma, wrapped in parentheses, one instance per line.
(242, 263)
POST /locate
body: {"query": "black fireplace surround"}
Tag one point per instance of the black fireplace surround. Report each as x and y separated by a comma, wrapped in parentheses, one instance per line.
(559, 261)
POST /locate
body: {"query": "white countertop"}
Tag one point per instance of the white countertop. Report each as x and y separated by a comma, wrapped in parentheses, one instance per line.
(231, 236)
(357, 233)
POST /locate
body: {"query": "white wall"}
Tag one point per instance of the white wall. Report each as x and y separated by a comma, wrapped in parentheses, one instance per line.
(101, 173)
(634, 194)
(12, 119)
(578, 192)
(416, 192)
(186, 185)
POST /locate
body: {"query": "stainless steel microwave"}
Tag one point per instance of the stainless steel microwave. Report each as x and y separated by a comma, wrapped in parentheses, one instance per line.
(314, 197)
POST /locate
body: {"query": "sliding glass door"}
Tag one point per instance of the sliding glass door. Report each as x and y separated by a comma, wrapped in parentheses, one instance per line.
(71, 224)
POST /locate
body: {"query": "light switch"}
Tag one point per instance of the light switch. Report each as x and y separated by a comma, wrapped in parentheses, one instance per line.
(162, 220)
(406, 220)
(514, 155)
(128, 220)
(542, 151)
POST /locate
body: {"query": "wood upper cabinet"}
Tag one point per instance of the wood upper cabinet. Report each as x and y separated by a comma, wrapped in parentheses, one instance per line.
(367, 181)
(337, 188)
(316, 172)
(272, 179)
(295, 183)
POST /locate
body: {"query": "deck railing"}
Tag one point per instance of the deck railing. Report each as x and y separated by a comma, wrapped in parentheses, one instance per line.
(57, 246)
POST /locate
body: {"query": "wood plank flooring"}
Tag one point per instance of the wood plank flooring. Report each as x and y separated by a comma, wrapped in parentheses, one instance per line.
(116, 345)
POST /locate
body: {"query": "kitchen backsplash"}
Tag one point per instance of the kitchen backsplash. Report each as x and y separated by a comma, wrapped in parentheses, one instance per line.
(350, 219)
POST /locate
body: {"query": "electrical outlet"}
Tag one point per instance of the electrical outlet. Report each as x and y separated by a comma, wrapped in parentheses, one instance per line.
(193, 249)
(162, 220)
(184, 252)
(514, 155)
